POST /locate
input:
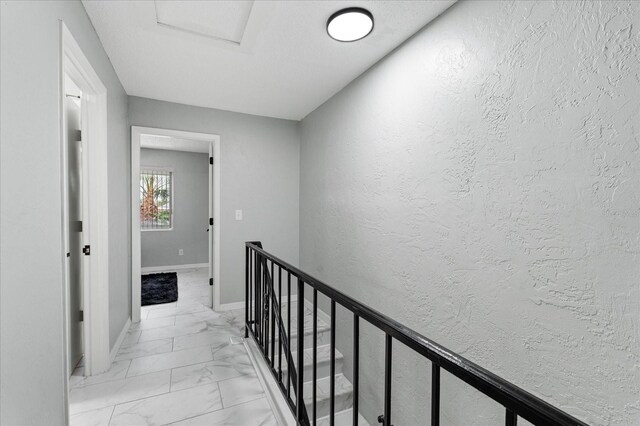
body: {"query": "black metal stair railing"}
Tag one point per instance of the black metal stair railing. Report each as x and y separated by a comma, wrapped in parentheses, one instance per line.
(263, 316)
(262, 309)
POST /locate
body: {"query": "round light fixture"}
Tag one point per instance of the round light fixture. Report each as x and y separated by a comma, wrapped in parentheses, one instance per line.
(350, 24)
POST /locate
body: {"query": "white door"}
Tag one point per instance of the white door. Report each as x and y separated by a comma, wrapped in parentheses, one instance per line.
(75, 256)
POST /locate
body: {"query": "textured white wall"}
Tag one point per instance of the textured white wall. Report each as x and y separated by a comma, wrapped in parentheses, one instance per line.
(481, 184)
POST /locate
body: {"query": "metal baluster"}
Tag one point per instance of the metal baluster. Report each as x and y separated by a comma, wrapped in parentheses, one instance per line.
(251, 287)
(300, 400)
(511, 418)
(332, 366)
(265, 308)
(356, 366)
(279, 323)
(435, 394)
(289, 333)
(315, 350)
(257, 319)
(273, 318)
(246, 292)
(387, 381)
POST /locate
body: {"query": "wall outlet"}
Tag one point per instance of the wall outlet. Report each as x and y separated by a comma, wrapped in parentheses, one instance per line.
(180, 252)
(238, 214)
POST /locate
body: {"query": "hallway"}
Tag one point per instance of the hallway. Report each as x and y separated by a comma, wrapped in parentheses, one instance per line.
(177, 366)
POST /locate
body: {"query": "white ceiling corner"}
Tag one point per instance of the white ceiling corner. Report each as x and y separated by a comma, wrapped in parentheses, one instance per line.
(269, 58)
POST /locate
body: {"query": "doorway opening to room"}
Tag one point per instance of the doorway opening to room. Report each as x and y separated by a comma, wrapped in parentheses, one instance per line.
(175, 205)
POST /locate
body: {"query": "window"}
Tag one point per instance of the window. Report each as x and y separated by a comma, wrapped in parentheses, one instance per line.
(156, 207)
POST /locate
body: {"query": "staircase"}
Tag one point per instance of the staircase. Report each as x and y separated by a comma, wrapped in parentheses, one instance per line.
(343, 387)
(266, 319)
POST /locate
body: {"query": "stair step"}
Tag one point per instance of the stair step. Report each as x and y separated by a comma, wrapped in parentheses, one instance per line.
(343, 418)
(323, 362)
(343, 395)
(324, 333)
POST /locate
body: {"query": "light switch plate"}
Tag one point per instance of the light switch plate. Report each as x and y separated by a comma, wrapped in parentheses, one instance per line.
(238, 214)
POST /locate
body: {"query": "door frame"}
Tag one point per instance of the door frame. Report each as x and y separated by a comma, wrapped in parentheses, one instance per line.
(95, 284)
(214, 208)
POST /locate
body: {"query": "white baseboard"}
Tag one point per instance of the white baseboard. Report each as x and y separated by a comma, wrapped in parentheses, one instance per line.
(272, 391)
(123, 333)
(149, 269)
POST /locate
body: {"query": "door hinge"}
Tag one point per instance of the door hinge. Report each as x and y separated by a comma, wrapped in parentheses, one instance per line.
(79, 136)
(210, 281)
(86, 250)
(211, 221)
(78, 226)
(81, 316)
(210, 160)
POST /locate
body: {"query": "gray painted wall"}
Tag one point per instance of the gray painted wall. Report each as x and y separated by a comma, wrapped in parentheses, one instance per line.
(259, 173)
(190, 210)
(31, 289)
(481, 185)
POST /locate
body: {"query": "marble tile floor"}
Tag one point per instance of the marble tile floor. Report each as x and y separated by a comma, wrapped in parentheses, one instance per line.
(177, 366)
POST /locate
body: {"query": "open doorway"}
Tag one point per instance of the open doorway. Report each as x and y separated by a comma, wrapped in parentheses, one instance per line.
(175, 199)
(83, 139)
(77, 208)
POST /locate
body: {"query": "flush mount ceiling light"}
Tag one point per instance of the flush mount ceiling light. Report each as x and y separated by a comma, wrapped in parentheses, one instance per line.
(350, 24)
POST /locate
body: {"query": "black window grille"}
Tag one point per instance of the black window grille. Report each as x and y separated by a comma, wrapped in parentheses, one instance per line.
(156, 206)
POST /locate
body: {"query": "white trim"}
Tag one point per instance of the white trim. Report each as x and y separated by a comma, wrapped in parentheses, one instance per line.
(168, 268)
(121, 336)
(271, 390)
(136, 268)
(94, 130)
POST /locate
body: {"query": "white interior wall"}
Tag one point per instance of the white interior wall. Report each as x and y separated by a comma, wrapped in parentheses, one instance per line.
(481, 185)
(259, 174)
(190, 209)
(32, 290)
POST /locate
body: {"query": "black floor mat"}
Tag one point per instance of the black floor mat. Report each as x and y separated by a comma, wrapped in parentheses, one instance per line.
(159, 288)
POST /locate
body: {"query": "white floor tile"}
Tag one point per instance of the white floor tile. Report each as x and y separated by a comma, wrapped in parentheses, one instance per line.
(175, 360)
(149, 364)
(240, 389)
(131, 337)
(97, 417)
(191, 307)
(167, 408)
(117, 371)
(159, 306)
(172, 331)
(110, 393)
(215, 338)
(256, 413)
(152, 347)
(228, 351)
(154, 323)
(210, 372)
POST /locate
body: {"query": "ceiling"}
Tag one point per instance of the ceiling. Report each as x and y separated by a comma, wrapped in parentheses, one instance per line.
(269, 58)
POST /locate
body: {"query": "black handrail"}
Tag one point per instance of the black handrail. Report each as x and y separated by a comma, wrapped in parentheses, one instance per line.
(517, 401)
